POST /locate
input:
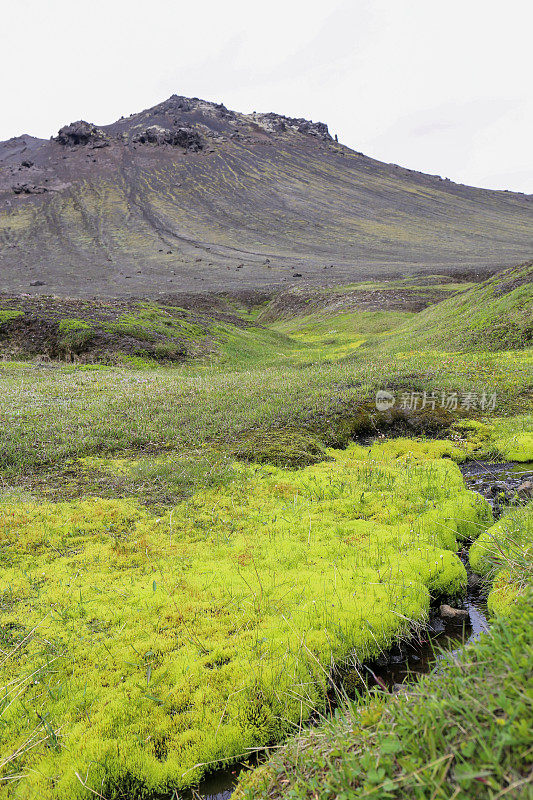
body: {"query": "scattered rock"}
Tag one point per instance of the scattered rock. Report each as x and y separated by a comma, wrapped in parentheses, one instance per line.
(81, 133)
(297, 275)
(27, 164)
(29, 188)
(277, 123)
(447, 612)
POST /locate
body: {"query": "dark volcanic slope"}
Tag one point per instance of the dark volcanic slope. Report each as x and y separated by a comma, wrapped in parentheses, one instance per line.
(189, 196)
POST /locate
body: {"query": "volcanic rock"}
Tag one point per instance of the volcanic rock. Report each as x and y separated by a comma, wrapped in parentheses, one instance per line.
(81, 133)
(181, 137)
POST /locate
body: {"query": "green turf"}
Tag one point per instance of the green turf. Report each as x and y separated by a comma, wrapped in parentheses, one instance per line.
(185, 550)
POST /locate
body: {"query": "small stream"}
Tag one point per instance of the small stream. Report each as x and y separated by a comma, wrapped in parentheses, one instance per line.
(405, 663)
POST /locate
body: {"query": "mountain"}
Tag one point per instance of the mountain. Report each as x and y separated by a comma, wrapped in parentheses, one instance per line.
(190, 196)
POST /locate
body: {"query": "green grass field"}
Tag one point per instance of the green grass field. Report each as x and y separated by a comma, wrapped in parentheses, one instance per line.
(186, 551)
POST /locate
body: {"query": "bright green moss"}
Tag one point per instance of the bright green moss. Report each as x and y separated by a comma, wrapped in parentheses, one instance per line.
(146, 646)
(504, 553)
(508, 438)
(8, 314)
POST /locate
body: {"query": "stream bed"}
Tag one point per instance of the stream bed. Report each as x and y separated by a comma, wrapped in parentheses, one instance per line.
(499, 483)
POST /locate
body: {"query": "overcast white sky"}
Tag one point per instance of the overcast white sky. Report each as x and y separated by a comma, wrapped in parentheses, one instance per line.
(442, 86)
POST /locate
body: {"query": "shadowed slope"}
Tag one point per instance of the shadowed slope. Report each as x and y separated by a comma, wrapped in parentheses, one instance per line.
(191, 196)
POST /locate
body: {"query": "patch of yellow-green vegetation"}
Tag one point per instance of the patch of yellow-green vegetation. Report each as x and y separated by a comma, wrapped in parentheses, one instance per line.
(74, 335)
(7, 314)
(254, 345)
(333, 336)
(504, 553)
(494, 315)
(150, 322)
(508, 438)
(137, 649)
(427, 283)
(164, 479)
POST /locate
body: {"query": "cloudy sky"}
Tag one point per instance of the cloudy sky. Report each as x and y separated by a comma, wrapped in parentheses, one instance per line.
(442, 87)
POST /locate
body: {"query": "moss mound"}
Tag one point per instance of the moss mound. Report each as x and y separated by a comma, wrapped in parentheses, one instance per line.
(504, 554)
(462, 732)
(140, 649)
(282, 448)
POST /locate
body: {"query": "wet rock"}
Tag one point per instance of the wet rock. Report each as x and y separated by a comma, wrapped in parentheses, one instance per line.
(447, 612)
(180, 137)
(436, 626)
(81, 133)
(474, 582)
(525, 489)
(400, 688)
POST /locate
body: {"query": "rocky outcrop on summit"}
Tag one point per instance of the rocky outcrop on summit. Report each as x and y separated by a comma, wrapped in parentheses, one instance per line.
(81, 133)
(276, 123)
(178, 137)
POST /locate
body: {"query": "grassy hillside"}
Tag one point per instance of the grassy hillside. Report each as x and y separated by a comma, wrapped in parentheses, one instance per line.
(494, 315)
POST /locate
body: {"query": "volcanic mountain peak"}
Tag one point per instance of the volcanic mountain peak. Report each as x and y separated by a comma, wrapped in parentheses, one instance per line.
(190, 196)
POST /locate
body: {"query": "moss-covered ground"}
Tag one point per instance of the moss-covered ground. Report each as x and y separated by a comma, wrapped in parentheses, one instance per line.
(463, 732)
(186, 552)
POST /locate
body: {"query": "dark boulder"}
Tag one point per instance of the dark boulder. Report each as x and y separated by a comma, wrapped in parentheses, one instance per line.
(29, 188)
(81, 133)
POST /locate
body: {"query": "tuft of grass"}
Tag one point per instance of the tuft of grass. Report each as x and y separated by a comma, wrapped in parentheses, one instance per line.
(74, 335)
(283, 448)
(7, 314)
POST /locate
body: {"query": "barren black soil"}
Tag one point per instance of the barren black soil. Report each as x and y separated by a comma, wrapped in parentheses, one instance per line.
(191, 197)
